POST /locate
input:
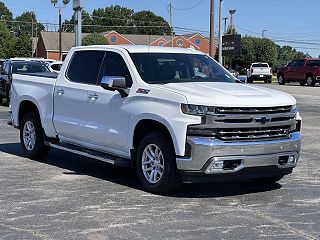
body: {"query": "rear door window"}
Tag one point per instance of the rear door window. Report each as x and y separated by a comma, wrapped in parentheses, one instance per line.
(313, 63)
(260, 65)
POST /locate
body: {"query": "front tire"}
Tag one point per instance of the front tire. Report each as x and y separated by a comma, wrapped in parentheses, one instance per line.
(281, 80)
(156, 164)
(310, 81)
(32, 137)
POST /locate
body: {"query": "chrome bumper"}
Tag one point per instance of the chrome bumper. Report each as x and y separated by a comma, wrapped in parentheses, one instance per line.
(208, 153)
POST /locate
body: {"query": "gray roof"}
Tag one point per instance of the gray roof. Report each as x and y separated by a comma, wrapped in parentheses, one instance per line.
(140, 39)
(51, 40)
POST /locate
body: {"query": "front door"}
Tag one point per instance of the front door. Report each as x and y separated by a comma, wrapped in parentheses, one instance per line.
(108, 113)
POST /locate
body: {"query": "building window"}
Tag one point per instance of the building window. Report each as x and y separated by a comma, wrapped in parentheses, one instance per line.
(113, 39)
(161, 43)
(179, 42)
(198, 41)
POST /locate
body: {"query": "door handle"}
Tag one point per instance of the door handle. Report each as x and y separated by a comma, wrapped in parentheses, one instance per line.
(60, 92)
(93, 96)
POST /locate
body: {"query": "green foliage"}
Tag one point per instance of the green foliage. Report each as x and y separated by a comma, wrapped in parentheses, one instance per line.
(256, 50)
(287, 54)
(22, 47)
(5, 13)
(7, 41)
(94, 39)
(122, 20)
(24, 24)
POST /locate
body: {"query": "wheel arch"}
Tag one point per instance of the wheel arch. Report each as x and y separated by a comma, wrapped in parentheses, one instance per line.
(25, 107)
(145, 126)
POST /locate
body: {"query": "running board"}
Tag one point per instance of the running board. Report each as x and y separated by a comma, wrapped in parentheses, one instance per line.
(102, 156)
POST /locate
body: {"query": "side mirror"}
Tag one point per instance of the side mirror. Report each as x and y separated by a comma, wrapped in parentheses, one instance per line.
(115, 83)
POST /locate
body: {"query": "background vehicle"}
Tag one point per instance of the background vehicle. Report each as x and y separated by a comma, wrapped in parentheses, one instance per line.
(10, 67)
(55, 66)
(174, 113)
(260, 71)
(305, 71)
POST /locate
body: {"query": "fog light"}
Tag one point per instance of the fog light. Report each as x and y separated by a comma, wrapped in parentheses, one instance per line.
(292, 159)
(217, 165)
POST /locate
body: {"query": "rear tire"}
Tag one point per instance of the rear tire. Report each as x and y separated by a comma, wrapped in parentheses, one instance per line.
(267, 180)
(156, 164)
(32, 137)
(1, 98)
(310, 81)
(281, 80)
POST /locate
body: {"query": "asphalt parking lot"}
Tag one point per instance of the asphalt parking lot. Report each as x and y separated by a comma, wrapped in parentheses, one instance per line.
(72, 197)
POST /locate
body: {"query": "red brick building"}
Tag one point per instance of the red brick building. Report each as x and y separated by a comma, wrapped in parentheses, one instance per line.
(48, 42)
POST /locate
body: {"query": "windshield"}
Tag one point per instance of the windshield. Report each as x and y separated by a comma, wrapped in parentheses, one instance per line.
(172, 67)
(260, 65)
(29, 68)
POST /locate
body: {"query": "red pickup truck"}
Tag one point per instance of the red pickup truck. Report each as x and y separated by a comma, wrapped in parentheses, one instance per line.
(305, 71)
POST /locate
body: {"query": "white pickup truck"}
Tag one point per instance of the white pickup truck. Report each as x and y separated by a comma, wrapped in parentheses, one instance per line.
(174, 114)
(259, 71)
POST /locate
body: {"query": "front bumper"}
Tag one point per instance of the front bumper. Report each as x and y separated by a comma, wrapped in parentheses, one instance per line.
(207, 154)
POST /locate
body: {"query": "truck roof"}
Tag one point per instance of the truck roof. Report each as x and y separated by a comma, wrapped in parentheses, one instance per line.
(142, 49)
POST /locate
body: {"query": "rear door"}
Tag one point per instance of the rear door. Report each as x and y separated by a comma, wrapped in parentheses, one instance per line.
(71, 95)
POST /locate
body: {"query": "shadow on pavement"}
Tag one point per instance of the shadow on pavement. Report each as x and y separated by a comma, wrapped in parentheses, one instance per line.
(73, 164)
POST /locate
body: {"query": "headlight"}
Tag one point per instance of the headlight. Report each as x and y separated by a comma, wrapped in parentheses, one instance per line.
(197, 110)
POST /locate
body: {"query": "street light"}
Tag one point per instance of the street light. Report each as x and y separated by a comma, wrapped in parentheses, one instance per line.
(55, 2)
(262, 35)
(231, 11)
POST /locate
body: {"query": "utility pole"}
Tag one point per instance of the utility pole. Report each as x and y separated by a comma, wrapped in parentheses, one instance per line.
(171, 27)
(77, 7)
(225, 25)
(32, 37)
(211, 50)
(262, 35)
(65, 2)
(220, 31)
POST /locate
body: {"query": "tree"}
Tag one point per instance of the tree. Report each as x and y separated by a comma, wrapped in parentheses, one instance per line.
(22, 46)
(7, 41)
(94, 39)
(68, 25)
(112, 18)
(24, 24)
(149, 23)
(256, 50)
(5, 13)
(122, 20)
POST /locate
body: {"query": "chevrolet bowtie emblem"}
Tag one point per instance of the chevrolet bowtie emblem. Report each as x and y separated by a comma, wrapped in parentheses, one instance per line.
(262, 120)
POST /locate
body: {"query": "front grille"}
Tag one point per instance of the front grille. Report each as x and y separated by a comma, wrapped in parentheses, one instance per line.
(254, 133)
(253, 124)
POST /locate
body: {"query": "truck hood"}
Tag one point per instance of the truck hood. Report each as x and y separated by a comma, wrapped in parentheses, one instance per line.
(230, 94)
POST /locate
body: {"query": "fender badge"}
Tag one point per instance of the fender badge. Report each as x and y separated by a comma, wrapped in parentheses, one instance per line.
(143, 91)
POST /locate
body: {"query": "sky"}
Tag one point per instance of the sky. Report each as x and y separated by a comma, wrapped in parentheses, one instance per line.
(287, 22)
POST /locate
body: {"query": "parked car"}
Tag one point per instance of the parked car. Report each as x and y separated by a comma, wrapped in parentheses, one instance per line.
(234, 72)
(55, 66)
(305, 71)
(147, 107)
(259, 71)
(10, 67)
(1, 62)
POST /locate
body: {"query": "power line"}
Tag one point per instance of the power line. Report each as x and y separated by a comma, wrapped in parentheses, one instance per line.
(188, 8)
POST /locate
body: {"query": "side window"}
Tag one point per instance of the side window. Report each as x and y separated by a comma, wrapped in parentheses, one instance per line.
(300, 63)
(292, 64)
(114, 65)
(5, 68)
(85, 66)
